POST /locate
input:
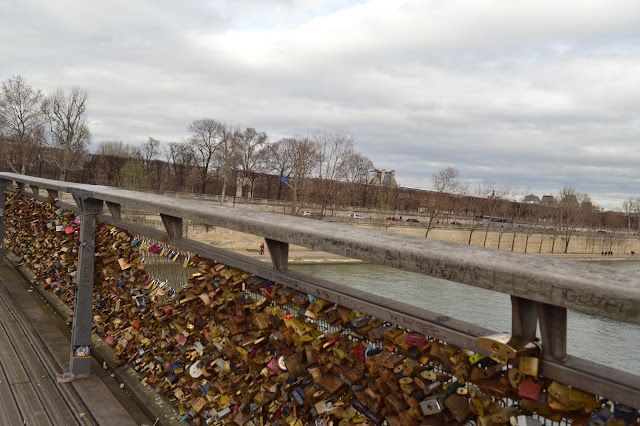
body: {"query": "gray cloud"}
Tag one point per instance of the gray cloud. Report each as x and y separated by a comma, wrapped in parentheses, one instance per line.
(536, 95)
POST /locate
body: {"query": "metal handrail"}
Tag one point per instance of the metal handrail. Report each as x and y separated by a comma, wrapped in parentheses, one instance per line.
(582, 287)
(586, 288)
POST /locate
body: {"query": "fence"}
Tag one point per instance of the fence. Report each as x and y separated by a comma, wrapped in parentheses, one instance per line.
(541, 289)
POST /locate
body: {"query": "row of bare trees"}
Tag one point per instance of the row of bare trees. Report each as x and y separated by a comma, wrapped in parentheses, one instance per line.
(31, 121)
(48, 135)
(220, 154)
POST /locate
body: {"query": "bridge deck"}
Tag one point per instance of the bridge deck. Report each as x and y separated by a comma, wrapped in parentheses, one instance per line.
(33, 351)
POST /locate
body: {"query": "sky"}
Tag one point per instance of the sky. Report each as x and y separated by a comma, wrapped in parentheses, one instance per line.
(534, 95)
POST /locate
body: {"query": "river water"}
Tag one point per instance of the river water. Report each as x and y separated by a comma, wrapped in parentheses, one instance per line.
(600, 340)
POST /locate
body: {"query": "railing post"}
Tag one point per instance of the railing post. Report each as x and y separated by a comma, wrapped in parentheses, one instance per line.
(173, 225)
(115, 210)
(524, 320)
(52, 194)
(3, 187)
(553, 328)
(279, 253)
(35, 189)
(80, 358)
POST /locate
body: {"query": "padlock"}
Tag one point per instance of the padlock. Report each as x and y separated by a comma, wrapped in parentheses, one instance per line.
(431, 406)
(458, 406)
(527, 421)
(529, 365)
(530, 390)
(502, 347)
(558, 393)
(515, 377)
(502, 416)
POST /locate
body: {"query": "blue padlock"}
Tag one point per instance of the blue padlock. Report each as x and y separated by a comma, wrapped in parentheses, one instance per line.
(371, 351)
(298, 396)
(624, 413)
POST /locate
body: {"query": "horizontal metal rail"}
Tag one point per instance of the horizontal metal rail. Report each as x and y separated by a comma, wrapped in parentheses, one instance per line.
(583, 287)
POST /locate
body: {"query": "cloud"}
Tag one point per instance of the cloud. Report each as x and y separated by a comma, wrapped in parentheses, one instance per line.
(537, 95)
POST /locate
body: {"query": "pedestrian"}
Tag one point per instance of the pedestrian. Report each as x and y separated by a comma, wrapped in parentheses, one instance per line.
(261, 248)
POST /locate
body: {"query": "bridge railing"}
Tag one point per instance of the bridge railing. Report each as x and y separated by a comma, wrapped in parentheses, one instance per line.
(542, 289)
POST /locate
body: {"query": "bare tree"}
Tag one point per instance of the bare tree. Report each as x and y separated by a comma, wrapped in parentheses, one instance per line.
(108, 160)
(304, 156)
(628, 208)
(335, 148)
(250, 144)
(278, 161)
(181, 159)
(206, 136)
(294, 160)
(477, 202)
(149, 151)
(573, 208)
(68, 127)
(21, 122)
(226, 157)
(492, 206)
(358, 169)
(118, 149)
(445, 180)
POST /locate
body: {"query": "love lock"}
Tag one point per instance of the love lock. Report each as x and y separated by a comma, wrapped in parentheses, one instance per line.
(502, 347)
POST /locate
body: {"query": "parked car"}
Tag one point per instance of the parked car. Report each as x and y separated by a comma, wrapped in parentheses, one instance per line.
(412, 220)
(393, 219)
(357, 216)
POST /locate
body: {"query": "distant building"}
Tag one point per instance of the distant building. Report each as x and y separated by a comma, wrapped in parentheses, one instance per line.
(382, 178)
(531, 199)
(569, 199)
(548, 200)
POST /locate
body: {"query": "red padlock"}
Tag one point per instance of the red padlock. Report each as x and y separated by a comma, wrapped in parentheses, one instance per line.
(415, 339)
(529, 390)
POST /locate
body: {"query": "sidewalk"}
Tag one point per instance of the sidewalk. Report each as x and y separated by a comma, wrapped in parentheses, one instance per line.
(34, 349)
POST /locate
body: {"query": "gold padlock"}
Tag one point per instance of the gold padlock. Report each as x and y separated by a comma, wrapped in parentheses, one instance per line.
(501, 348)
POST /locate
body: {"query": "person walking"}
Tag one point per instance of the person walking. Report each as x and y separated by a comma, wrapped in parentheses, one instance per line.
(261, 248)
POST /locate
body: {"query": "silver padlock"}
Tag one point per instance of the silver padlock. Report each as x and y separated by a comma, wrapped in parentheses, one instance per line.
(430, 406)
(528, 421)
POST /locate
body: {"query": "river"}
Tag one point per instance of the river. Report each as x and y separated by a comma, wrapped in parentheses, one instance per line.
(600, 340)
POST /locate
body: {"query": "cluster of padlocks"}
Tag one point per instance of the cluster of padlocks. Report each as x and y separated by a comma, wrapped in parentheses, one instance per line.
(230, 347)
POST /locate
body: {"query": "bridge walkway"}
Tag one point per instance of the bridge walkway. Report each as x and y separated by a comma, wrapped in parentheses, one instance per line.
(34, 349)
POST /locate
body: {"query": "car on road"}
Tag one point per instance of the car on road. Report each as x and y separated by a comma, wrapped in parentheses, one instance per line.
(357, 216)
(455, 222)
(306, 213)
(412, 220)
(393, 219)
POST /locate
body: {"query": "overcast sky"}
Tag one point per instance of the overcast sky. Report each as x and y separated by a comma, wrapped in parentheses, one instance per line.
(537, 95)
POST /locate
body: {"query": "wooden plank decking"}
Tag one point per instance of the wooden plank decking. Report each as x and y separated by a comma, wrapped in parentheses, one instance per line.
(29, 392)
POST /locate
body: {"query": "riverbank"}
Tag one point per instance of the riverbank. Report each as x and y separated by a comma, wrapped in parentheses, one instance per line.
(311, 257)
